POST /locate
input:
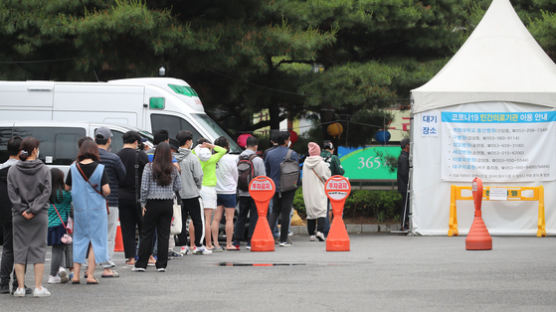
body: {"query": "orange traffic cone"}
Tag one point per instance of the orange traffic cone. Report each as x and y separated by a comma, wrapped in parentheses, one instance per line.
(119, 244)
(478, 237)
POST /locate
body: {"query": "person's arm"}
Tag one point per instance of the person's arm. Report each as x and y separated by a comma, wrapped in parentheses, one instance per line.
(177, 181)
(403, 170)
(68, 181)
(338, 164)
(233, 169)
(197, 172)
(259, 167)
(13, 194)
(145, 184)
(105, 189)
(40, 201)
(120, 169)
(220, 152)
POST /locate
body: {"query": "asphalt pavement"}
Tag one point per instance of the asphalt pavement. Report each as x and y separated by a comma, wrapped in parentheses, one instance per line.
(380, 273)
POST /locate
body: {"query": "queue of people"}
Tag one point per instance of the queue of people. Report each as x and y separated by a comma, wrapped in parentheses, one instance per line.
(77, 215)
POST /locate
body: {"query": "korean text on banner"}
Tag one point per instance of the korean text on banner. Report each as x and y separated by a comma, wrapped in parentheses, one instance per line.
(498, 146)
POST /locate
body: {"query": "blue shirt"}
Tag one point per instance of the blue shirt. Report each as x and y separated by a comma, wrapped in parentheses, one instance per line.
(272, 162)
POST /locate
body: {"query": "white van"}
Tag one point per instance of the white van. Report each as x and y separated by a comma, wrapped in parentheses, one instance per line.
(150, 104)
(59, 139)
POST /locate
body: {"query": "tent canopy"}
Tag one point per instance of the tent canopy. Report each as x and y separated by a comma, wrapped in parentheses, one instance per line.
(500, 61)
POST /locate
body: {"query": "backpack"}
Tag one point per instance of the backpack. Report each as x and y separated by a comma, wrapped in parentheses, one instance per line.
(246, 171)
(289, 173)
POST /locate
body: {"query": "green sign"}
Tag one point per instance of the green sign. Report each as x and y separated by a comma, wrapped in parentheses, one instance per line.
(370, 163)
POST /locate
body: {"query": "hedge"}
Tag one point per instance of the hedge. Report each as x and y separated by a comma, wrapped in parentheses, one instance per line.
(380, 205)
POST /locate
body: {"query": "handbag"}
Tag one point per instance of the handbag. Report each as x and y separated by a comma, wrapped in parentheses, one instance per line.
(93, 186)
(176, 225)
(66, 238)
(322, 179)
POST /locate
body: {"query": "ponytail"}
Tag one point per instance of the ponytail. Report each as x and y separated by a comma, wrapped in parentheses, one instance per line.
(28, 145)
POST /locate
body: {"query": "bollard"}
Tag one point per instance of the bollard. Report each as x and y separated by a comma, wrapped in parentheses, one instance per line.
(337, 189)
(262, 190)
(478, 237)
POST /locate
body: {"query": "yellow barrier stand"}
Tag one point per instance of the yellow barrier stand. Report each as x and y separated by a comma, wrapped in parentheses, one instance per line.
(514, 194)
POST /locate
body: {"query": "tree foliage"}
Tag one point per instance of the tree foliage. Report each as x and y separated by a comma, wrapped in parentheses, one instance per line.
(244, 56)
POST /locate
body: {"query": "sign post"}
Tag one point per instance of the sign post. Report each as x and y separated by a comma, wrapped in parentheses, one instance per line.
(337, 189)
(262, 190)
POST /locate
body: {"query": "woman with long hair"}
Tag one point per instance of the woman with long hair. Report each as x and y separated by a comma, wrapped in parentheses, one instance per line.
(59, 212)
(159, 184)
(29, 185)
(88, 182)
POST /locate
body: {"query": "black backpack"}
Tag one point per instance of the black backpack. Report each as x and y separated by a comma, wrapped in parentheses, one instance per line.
(246, 171)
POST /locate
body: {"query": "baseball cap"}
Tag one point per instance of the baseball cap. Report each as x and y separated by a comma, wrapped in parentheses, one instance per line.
(103, 133)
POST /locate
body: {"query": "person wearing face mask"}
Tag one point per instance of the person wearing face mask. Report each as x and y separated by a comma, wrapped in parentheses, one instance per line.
(191, 175)
(134, 160)
(29, 185)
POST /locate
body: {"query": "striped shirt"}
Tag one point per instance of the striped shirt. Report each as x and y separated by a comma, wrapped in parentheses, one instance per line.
(150, 189)
(63, 204)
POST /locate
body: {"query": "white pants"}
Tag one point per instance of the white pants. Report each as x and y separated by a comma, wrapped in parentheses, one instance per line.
(112, 227)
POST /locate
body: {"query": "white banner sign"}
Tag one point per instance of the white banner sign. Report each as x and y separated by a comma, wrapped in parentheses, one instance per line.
(498, 147)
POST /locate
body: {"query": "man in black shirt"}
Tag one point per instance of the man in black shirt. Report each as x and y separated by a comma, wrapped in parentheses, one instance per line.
(134, 161)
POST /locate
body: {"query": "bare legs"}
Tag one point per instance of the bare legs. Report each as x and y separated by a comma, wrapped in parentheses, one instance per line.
(90, 268)
(208, 217)
(20, 274)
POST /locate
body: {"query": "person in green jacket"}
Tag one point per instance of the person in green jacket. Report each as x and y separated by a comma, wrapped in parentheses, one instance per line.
(333, 161)
(209, 155)
(335, 169)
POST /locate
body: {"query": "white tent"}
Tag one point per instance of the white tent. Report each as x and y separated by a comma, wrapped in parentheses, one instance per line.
(500, 68)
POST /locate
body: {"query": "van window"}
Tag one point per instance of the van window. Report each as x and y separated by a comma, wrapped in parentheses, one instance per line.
(58, 144)
(5, 135)
(173, 125)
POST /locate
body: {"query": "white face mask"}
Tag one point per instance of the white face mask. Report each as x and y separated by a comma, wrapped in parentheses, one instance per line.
(289, 144)
(38, 153)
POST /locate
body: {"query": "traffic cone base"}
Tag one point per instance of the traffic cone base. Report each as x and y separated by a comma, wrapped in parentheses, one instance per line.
(119, 243)
(338, 239)
(262, 239)
(478, 237)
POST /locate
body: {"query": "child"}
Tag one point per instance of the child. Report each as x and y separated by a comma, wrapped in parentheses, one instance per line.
(60, 200)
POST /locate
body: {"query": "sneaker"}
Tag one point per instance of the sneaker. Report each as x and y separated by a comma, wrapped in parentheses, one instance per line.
(201, 251)
(5, 288)
(173, 254)
(109, 265)
(137, 269)
(184, 250)
(285, 244)
(41, 292)
(54, 279)
(320, 236)
(161, 270)
(290, 233)
(313, 238)
(248, 247)
(20, 292)
(63, 274)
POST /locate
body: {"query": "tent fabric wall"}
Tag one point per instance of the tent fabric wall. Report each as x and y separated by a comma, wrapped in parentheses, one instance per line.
(499, 66)
(500, 61)
(431, 195)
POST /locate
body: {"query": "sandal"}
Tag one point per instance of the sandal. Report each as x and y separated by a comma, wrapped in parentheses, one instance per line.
(93, 282)
(114, 274)
(75, 282)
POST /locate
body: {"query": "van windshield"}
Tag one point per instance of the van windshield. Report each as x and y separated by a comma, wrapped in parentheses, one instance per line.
(216, 131)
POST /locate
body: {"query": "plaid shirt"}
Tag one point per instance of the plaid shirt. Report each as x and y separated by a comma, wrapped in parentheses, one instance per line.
(150, 189)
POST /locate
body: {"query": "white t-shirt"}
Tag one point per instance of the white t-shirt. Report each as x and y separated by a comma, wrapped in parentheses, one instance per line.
(226, 175)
